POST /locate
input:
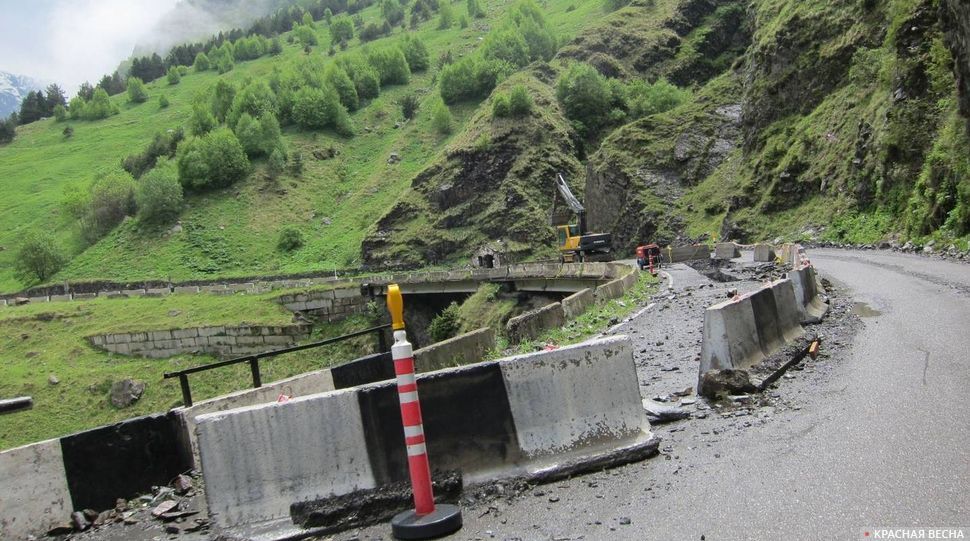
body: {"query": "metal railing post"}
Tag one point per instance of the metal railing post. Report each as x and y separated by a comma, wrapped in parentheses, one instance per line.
(381, 341)
(254, 368)
(186, 392)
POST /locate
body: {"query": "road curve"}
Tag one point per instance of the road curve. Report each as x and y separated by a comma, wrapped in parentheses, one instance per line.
(880, 437)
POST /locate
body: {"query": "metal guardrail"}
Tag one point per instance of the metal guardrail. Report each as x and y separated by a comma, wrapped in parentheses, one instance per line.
(253, 360)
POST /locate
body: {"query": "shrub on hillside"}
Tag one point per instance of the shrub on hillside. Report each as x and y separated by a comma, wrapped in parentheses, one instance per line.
(500, 106)
(391, 65)
(507, 45)
(409, 106)
(520, 102)
(291, 239)
(446, 324)
(446, 16)
(645, 99)
(99, 107)
(367, 81)
(337, 78)
(38, 258)
(475, 9)
(136, 90)
(159, 195)
(315, 108)
(173, 76)
(416, 54)
(162, 145)
(201, 121)
(60, 113)
(258, 137)
(471, 78)
(276, 163)
(162, 101)
(341, 30)
(222, 97)
(257, 98)
(305, 35)
(112, 198)
(585, 97)
(441, 119)
(214, 160)
(201, 62)
(8, 129)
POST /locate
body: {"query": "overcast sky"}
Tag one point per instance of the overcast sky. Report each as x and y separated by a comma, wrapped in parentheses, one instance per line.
(72, 41)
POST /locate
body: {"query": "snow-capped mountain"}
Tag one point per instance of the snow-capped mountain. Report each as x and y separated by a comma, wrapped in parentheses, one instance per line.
(13, 88)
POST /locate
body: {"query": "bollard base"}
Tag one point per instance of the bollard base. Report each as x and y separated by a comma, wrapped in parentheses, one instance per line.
(444, 520)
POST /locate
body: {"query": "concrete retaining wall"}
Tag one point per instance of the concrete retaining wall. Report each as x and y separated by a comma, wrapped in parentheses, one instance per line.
(464, 349)
(577, 303)
(222, 340)
(726, 250)
(529, 416)
(687, 253)
(332, 305)
(531, 324)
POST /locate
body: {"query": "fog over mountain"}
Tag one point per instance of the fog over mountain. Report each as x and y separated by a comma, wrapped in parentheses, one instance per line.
(193, 20)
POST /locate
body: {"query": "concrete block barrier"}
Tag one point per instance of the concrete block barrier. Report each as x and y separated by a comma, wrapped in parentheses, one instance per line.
(577, 303)
(34, 495)
(538, 416)
(531, 324)
(726, 250)
(812, 308)
(258, 460)
(741, 332)
(730, 336)
(687, 253)
(788, 313)
(464, 349)
(43, 483)
(764, 253)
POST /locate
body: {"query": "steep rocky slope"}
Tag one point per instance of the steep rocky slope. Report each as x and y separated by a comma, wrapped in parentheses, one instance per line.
(955, 16)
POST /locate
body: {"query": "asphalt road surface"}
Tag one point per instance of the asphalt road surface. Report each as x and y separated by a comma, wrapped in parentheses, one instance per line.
(875, 434)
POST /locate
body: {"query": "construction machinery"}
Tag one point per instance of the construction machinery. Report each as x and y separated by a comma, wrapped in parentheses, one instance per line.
(575, 243)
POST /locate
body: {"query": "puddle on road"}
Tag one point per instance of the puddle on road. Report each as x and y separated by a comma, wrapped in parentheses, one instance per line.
(862, 309)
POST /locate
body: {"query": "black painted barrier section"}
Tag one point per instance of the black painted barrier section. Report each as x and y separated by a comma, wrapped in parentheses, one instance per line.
(766, 319)
(369, 369)
(121, 460)
(467, 420)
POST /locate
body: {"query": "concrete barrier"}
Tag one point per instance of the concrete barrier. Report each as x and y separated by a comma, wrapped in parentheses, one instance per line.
(687, 253)
(258, 460)
(464, 349)
(730, 336)
(538, 416)
(788, 314)
(741, 332)
(121, 460)
(577, 303)
(34, 495)
(764, 253)
(811, 306)
(726, 250)
(319, 381)
(531, 324)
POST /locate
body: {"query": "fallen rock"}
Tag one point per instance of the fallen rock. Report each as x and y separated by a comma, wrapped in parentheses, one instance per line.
(715, 383)
(79, 522)
(126, 392)
(687, 391)
(165, 507)
(183, 484)
(661, 413)
(52, 379)
(61, 528)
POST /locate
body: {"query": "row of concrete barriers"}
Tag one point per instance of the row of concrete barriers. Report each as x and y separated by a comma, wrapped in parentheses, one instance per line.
(746, 329)
(528, 416)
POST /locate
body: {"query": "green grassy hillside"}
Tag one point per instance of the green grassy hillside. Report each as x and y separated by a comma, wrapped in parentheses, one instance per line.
(234, 231)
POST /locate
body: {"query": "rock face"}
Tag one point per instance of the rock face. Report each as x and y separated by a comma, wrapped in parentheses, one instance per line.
(955, 16)
(126, 392)
(495, 184)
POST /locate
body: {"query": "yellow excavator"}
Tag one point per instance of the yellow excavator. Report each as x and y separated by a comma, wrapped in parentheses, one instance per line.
(575, 243)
